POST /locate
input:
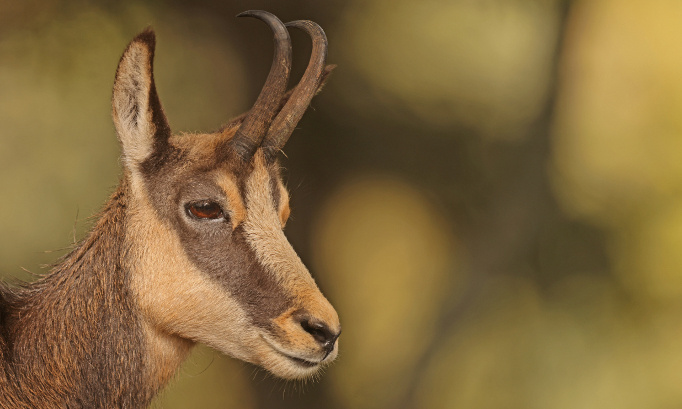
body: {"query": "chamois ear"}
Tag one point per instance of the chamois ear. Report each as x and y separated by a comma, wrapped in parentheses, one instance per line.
(140, 123)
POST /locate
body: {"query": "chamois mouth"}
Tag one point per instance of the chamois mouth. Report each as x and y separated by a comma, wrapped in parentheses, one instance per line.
(298, 361)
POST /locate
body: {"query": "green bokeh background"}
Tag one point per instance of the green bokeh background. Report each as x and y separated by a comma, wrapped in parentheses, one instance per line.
(489, 191)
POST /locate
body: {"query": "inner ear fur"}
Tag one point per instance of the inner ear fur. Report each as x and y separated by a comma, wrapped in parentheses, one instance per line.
(141, 125)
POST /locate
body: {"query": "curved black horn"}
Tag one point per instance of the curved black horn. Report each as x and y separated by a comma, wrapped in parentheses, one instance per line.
(250, 134)
(285, 122)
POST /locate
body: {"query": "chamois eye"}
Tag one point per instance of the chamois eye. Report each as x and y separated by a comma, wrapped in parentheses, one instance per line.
(204, 209)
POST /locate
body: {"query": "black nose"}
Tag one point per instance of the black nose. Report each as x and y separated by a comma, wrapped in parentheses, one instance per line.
(321, 332)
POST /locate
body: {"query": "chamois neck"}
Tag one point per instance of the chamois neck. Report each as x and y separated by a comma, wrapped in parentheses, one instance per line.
(73, 338)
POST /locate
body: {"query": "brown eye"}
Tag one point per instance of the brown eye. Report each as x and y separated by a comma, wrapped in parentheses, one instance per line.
(204, 209)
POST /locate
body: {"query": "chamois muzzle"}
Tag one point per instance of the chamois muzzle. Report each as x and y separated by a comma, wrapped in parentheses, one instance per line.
(321, 332)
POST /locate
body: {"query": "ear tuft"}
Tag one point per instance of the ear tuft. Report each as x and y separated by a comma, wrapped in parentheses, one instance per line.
(138, 116)
(147, 37)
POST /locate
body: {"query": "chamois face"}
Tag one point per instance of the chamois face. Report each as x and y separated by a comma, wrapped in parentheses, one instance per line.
(209, 261)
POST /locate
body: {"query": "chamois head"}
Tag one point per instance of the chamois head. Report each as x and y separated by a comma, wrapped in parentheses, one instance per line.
(209, 261)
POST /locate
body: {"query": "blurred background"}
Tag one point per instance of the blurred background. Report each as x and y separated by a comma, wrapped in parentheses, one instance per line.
(489, 191)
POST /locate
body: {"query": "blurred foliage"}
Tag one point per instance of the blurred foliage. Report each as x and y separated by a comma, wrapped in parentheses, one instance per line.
(488, 191)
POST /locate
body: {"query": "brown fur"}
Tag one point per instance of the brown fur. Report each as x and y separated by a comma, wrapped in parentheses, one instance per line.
(73, 338)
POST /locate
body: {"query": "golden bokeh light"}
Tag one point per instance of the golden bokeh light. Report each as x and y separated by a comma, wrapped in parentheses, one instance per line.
(382, 240)
(618, 136)
(413, 51)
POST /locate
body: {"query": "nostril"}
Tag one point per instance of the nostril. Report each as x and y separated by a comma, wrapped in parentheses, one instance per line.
(320, 332)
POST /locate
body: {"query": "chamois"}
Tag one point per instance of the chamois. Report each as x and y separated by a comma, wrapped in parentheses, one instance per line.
(189, 248)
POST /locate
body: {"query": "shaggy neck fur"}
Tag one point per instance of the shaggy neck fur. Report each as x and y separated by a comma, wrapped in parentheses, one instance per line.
(72, 339)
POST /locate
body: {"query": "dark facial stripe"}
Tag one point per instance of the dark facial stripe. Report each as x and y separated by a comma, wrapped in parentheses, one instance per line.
(215, 247)
(255, 289)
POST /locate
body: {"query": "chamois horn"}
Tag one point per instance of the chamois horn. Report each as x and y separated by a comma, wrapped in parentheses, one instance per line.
(250, 134)
(284, 123)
